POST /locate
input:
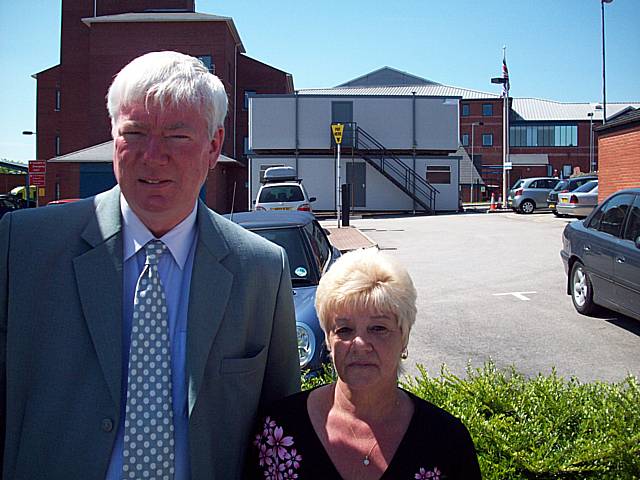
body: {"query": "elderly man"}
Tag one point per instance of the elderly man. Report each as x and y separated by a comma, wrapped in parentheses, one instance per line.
(139, 330)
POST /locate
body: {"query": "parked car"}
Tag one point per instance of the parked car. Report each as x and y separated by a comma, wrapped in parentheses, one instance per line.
(9, 203)
(530, 194)
(282, 190)
(601, 256)
(62, 201)
(310, 256)
(580, 202)
(565, 186)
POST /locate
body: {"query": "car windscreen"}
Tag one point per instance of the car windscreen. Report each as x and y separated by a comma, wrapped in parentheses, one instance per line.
(560, 185)
(587, 187)
(291, 240)
(281, 193)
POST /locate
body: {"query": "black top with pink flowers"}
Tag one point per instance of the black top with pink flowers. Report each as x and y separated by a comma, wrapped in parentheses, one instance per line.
(436, 446)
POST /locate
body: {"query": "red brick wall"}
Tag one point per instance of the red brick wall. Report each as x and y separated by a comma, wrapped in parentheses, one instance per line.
(66, 177)
(619, 160)
(48, 120)
(8, 181)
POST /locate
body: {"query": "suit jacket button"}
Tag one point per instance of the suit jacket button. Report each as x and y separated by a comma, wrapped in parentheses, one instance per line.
(107, 424)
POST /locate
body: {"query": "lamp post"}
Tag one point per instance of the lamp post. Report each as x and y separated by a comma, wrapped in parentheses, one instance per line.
(472, 156)
(604, 81)
(505, 135)
(591, 165)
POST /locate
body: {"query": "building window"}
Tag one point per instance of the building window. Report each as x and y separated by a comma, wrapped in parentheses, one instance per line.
(465, 110)
(566, 171)
(57, 144)
(543, 135)
(487, 109)
(439, 174)
(465, 139)
(247, 93)
(487, 139)
(57, 100)
(208, 62)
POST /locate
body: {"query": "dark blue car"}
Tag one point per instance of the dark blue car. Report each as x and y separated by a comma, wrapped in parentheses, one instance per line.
(601, 256)
(310, 256)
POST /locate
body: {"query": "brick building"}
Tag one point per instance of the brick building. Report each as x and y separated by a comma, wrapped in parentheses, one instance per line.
(97, 39)
(619, 146)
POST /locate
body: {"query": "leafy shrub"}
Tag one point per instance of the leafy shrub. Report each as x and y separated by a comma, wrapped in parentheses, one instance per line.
(540, 428)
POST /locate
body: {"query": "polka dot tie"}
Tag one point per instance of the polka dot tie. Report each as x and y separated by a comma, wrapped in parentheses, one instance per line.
(148, 425)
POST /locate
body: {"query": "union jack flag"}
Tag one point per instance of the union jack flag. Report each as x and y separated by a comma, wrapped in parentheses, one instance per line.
(505, 76)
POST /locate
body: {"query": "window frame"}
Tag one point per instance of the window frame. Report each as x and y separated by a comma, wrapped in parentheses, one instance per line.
(438, 169)
(487, 107)
(490, 137)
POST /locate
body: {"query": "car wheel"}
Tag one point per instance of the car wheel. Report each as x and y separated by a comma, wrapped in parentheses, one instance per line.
(527, 207)
(581, 290)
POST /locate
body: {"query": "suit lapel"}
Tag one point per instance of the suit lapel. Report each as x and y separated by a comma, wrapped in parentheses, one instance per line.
(210, 289)
(99, 280)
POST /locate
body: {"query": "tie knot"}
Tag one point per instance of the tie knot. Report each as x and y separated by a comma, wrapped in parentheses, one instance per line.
(154, 250)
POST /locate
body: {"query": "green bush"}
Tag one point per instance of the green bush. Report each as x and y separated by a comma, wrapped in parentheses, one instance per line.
(544, 427)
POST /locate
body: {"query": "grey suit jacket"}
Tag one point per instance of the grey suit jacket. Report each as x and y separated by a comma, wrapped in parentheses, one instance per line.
(61, 287)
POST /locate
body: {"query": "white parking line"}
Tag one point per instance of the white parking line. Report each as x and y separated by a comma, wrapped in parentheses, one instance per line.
(518, 295)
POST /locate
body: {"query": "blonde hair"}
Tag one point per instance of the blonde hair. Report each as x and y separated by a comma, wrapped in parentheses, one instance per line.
(367, 279)
(169, 78)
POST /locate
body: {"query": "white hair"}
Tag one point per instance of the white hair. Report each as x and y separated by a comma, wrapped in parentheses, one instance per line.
(367, 279)
(169, 78)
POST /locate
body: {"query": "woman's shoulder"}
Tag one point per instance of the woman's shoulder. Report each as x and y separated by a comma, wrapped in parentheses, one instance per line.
(289, 405)
(436, 417)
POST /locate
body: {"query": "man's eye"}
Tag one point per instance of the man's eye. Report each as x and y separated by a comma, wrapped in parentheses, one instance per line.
(131, 133)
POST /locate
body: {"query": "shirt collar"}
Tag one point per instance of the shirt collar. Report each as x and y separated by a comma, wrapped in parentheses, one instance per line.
(136, 235)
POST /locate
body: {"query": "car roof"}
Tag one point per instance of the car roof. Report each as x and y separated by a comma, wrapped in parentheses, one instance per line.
(582, 177)
(271, 219)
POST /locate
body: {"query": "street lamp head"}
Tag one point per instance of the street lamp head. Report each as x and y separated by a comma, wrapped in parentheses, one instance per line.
(28, 132)
(499, 80)
(590, 114)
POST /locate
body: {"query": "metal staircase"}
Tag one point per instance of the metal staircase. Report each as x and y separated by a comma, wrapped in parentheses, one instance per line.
(394, 169)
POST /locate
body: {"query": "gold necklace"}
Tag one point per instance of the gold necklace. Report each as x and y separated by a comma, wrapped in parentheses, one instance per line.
(365, 460)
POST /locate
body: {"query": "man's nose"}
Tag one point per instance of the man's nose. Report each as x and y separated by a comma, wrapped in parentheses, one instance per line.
(155, 149)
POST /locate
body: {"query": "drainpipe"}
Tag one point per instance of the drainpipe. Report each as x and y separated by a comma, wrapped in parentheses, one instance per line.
(235, 100)
(297, 140)
(413, 186)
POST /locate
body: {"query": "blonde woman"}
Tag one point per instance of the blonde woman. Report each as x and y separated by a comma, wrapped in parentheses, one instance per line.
(363, 426)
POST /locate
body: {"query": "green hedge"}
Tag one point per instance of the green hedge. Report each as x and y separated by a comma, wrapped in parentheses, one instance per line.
(544, 427)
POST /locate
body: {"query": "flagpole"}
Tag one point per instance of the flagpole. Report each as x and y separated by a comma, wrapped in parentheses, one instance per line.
(505, 133)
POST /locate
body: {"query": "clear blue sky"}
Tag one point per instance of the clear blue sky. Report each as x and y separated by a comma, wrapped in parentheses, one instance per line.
(553, 47)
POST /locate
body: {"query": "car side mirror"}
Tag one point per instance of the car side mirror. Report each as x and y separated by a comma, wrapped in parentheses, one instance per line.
(253, 202)
(312, 199)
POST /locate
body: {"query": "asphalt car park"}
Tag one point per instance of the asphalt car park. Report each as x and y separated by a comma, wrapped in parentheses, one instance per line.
(493, 287)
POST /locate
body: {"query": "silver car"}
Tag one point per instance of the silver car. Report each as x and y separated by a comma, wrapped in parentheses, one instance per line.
(580, 202)
(530, 194)
(601, 256)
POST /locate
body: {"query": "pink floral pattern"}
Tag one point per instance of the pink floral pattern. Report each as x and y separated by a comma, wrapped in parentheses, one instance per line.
(434, 474)
(276, 453)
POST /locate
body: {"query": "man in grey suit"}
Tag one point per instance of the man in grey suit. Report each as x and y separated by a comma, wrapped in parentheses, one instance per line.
(139, 330)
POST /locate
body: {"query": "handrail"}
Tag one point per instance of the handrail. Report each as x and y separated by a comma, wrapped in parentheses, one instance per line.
(395, 169)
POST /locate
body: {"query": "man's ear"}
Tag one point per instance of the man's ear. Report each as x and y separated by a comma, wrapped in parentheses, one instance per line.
(216, 147)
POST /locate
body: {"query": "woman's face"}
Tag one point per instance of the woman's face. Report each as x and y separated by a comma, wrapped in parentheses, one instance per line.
(365, 347)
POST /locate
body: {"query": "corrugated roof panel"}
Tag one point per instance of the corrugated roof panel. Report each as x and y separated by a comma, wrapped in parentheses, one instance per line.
(420, 90)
